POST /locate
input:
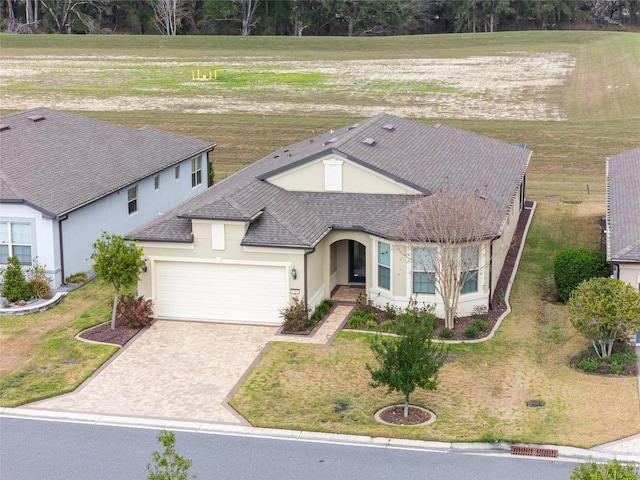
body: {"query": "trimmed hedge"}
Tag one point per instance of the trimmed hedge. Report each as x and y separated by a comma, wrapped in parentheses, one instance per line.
(574, 265)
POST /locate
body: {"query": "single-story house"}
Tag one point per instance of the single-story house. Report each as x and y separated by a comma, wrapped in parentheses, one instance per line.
(623, 217)
(66, 178)
(323, 213)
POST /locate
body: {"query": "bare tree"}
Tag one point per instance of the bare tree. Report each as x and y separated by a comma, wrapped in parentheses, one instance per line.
(445, 234)
(248, 9)
(167, 15)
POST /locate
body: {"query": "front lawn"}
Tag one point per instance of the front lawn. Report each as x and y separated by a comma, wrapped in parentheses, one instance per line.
(41, 357)
(483, 392)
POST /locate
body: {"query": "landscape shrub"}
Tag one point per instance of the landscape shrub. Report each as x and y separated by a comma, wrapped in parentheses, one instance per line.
(472, 332)
(388, 327)
(589, 364)
(135, 312)
(371, 325)
(359, 319)
(365, 304)
(446, 334)
(574, 265)
(479, 312)
(14, 284)
(390, 312)
(612, 470)
(321, 310)
(39, 288)
(296, 317)
(479, 324)
(79, 277)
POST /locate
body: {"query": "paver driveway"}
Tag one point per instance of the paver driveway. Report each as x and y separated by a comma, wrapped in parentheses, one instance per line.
(180, 371)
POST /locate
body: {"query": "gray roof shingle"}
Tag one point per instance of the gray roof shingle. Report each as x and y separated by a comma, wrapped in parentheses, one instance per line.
(65, 161)
(417, 155)
(623, 207)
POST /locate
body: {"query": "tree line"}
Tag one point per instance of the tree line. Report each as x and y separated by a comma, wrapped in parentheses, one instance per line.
(310, 17)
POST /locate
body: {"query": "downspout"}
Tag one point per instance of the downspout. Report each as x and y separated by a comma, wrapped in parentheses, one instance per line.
(490, 271)
(60, 220)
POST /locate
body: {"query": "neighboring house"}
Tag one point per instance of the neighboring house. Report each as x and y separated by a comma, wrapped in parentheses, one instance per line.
(323, 213)
(623, 217)
(65, 178)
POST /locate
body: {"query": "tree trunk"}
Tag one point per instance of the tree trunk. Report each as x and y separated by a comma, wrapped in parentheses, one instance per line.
(10, 10)
(406, 406)
(113, 311)
(28, 11)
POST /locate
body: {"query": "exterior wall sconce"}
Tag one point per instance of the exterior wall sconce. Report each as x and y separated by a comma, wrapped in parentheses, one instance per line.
(294, 273)
(144, 267)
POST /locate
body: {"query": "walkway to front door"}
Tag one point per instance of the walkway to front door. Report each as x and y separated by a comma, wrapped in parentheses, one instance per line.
(348, 293)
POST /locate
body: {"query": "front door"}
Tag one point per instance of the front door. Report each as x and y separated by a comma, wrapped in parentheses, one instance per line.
(357, 262)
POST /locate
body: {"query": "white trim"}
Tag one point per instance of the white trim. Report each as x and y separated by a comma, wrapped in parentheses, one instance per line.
(172, 245)
(272, 250)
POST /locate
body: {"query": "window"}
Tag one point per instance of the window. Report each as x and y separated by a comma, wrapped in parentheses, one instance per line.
(132, 195)
(196, 171)
(384, 265)
(469, 263)
(156, 182)
(424, 272)
(177, 172)
(15, 240)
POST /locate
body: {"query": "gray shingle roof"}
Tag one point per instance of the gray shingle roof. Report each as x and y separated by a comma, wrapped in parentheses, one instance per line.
(420, 156)
(64, 161)
(623, 206)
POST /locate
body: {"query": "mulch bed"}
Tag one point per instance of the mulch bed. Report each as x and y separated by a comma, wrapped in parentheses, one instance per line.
(395, 415)
(119, 336)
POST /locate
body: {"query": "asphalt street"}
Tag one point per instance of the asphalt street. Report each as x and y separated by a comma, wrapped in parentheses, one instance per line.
(52, 450)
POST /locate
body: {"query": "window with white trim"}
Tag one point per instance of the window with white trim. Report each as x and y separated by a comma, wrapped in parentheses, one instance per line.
(156, 182)
(132, 199)
(469, 263)
(196, 171)
(384, 265)
(177, 172)
(424, 272)
(15, 240)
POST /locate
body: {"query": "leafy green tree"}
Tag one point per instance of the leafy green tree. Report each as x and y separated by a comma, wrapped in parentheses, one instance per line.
(168, 465)
(604, 310)
(613, 470)
(574, 265)
(409, 361)
(14, 285)
(118, 262)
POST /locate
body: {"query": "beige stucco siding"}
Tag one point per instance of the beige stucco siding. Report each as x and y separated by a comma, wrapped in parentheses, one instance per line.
(501, 245)
(355, 178)
(630, 273)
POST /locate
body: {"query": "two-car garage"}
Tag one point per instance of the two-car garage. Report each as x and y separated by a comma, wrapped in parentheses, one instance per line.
(220, 292)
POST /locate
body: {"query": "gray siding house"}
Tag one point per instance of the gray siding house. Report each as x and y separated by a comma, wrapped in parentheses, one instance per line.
(623, 217)
(65, 178)
(324, 213)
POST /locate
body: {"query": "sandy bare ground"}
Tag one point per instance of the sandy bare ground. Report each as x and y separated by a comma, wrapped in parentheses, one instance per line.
(518, 86)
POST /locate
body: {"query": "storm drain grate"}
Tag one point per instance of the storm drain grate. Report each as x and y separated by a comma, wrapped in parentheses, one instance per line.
(534, 451)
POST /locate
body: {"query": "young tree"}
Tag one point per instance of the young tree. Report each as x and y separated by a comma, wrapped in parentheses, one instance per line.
(604, 310)
(446, 232)
(14, 285)
(411, 359)
(168, 465)
(118, 262)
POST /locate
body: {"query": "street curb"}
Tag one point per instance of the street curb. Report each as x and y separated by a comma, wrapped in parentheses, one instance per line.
(565, 453)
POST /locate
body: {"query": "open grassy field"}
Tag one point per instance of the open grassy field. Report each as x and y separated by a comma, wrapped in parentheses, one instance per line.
(573, 97)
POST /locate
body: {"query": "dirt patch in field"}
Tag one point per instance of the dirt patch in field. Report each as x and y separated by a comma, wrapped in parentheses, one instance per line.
(519, 86)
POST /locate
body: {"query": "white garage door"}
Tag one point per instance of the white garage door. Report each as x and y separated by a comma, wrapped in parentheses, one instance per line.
(220, 292)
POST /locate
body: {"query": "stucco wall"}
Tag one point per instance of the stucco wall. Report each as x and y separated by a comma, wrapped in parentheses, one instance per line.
(310, 177)
(111, 214)
(630, 273)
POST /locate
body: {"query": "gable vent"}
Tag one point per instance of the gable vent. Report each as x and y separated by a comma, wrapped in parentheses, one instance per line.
(369, 141)
(389, 127)
(4, 126)
(36, 118)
